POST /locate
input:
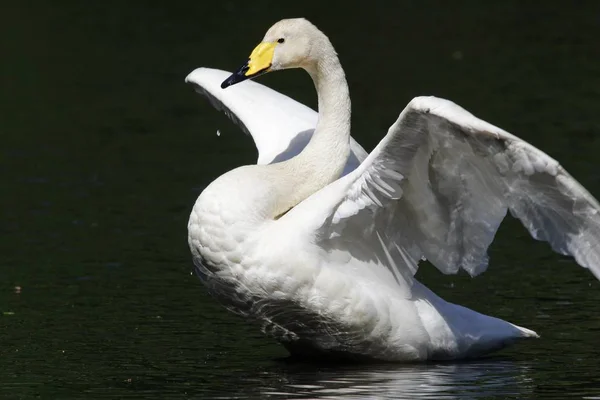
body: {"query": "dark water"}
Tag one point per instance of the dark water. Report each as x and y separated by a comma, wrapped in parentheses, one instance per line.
(104, 150)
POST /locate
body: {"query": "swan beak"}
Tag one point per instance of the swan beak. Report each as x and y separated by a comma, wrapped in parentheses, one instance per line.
(259, 63)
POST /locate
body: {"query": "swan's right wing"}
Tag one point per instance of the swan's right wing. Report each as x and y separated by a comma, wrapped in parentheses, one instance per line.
(279, 125)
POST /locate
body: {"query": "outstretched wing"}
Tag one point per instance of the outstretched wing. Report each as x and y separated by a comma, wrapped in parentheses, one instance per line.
(279, 125)
(438, 186)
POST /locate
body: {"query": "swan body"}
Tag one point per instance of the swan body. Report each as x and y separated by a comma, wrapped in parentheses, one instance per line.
(320, 241)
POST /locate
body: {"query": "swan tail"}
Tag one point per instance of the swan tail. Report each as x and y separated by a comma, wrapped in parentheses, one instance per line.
(481, 334)
(457, 332)
(526, 333)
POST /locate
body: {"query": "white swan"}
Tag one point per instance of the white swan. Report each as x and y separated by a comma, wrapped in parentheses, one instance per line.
(326, 263)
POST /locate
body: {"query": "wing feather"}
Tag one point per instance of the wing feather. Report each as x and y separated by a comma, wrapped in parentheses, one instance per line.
(280, 126)
(439, 185)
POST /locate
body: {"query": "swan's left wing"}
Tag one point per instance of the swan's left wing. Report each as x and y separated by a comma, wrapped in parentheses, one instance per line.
(439, 185)
(279, 125)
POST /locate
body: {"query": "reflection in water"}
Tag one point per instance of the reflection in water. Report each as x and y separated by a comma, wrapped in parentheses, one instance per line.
(434, 381)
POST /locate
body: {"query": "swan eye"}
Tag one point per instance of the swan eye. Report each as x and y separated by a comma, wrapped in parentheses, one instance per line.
(280, 40)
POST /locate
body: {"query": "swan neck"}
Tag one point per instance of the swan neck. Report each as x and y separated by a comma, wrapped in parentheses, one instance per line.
(333, 96)
(322, 161)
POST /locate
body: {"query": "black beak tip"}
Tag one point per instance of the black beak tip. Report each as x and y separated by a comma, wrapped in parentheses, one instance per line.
(237, 77)
(232, 80)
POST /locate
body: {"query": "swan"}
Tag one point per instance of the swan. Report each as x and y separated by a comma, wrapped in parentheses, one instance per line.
(319, 241)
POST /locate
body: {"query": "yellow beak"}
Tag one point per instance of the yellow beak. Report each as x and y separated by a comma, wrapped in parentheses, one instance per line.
(258, 63)
(261, 58)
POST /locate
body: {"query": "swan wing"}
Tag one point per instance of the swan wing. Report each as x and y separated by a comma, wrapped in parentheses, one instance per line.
(279, 125)
(438, 186)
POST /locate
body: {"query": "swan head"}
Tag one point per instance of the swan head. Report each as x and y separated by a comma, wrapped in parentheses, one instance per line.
(290, 43)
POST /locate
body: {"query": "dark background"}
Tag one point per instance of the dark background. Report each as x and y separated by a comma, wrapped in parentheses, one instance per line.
(104, 150)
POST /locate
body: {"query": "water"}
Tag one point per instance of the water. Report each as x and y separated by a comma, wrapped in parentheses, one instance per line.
(104, 150)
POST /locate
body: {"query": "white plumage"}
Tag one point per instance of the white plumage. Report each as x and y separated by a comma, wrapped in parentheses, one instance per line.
(327, 265)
